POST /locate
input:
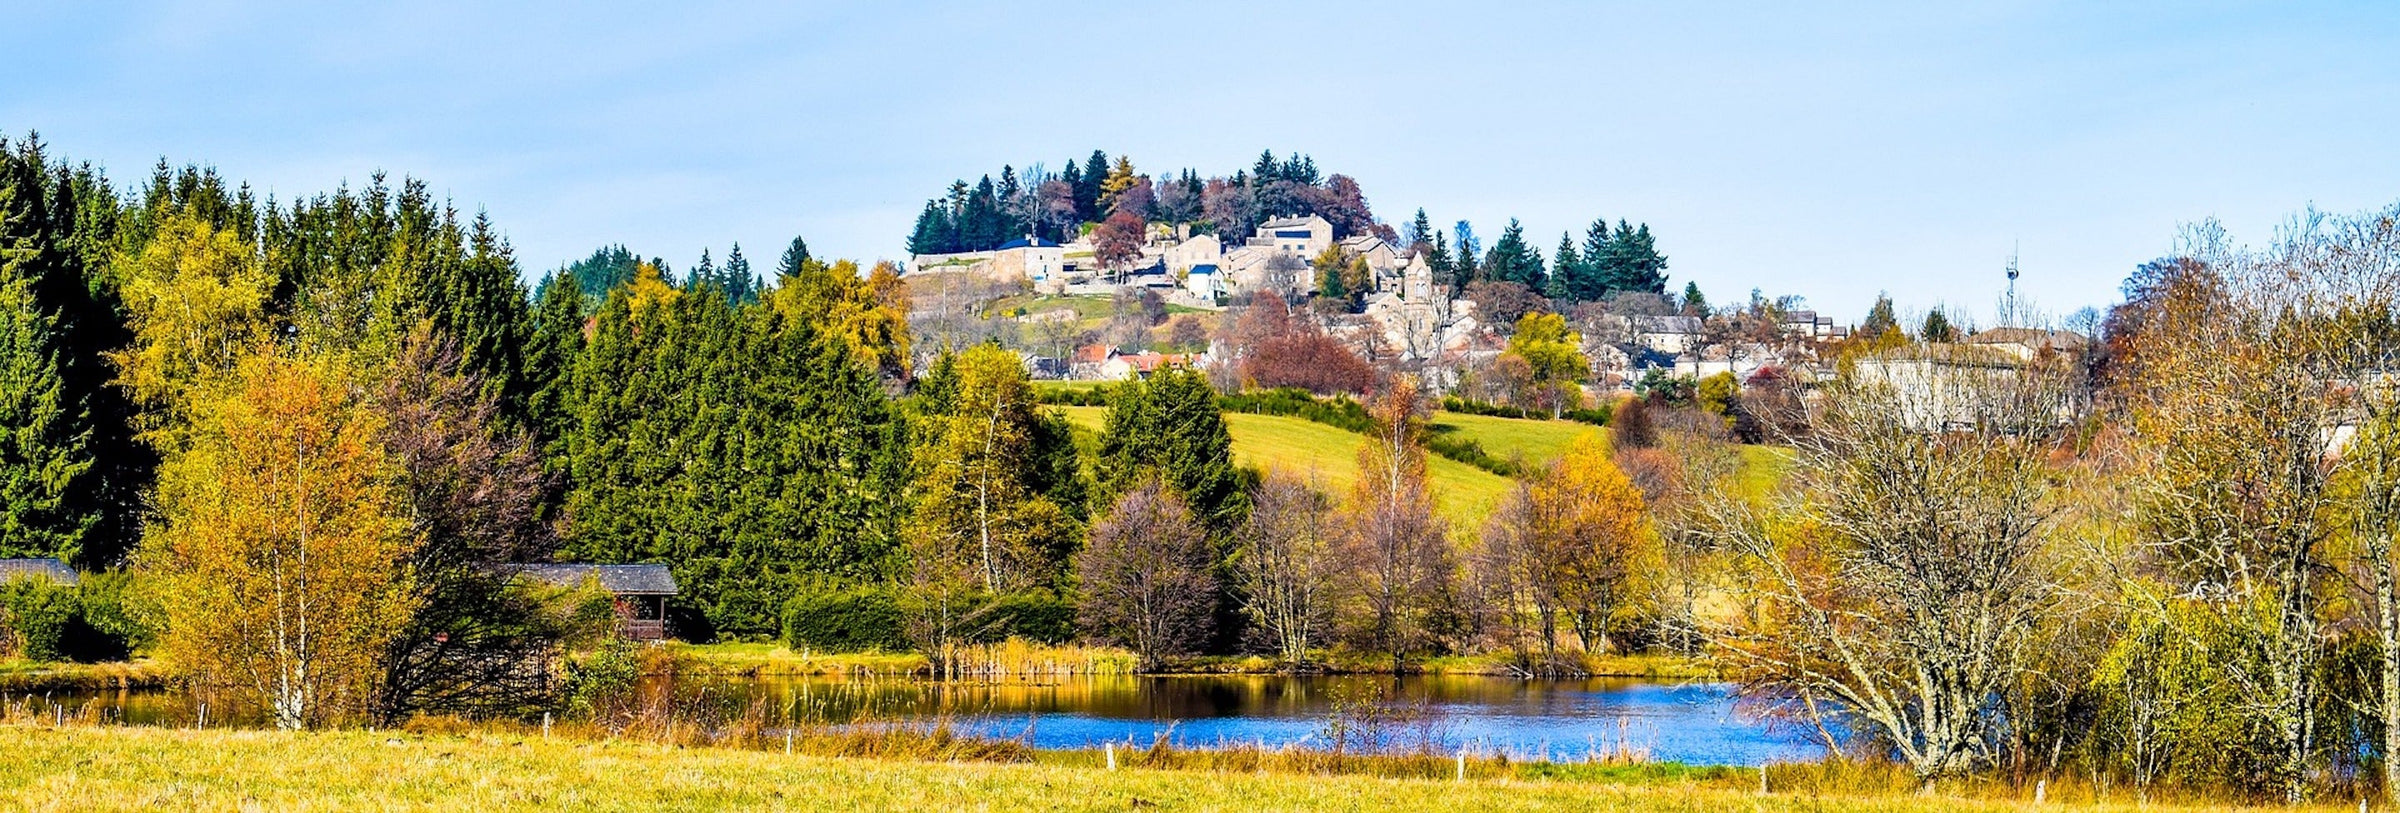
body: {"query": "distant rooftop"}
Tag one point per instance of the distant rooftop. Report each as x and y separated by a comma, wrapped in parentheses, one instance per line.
(620, 579)
(1029, 242)
(54, 569)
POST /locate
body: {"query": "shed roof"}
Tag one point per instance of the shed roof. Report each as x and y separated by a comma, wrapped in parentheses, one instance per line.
(57, 571)
(620, 579)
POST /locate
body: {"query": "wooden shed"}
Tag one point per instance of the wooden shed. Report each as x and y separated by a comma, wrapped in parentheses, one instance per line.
(52, 569)
(641, 591)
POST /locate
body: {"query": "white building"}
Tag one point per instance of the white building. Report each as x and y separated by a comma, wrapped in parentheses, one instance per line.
(1303, 237)
(1205, 249)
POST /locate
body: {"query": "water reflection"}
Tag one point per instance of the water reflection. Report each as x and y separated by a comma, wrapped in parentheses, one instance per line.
(1560, 719)
(1695, 723)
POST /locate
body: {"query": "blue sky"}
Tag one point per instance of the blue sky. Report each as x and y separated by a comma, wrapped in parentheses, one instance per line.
(1828, 152)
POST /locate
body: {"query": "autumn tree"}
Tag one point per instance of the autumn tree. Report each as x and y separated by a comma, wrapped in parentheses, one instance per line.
(1118, 241)
(475, 497)
(196, 298)
(1285, 566)
(1565, 546)
(2263, 400)
(979, 498)
(1900, 585)
(1147, 577)
(1397, 549)
(278, 557)
(868, 314)
(1554, 356)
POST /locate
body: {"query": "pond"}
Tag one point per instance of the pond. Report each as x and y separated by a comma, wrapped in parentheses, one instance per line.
(1696, 723)
(1564, 720)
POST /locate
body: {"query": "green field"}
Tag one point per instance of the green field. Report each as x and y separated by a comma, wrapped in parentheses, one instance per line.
(1306, 449)
(1091, 311)
(109, 768)
(1536, 441)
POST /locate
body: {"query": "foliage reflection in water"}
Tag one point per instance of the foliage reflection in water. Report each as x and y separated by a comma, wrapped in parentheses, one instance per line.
(1560, 720)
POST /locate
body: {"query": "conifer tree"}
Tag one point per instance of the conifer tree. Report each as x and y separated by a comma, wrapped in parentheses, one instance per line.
(1599, 262)
(1420, 233)
(1566, 270)
(1465, 270)
(1087, 192)
(1512, 260)
(1171, 425)
(551, 350)
(1880, 319)
(43, 445)
(65, 417)
(1937, 327)
(1694, 304)
(932, 233)
(794, 256)
(705, 274)
(741, 284)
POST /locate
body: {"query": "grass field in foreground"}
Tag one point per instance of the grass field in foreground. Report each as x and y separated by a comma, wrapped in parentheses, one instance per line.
(79, 768)
(1305, 448)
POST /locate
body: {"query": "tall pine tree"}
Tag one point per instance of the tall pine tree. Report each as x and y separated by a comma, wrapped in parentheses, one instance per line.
(1171, 425)
(1566, 268)
(43, 447)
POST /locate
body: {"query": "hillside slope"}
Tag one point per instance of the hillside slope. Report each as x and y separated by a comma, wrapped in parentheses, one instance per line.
(1462, 493)
(1537, 441)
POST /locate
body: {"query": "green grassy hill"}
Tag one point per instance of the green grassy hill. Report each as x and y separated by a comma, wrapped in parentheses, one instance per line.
(1463, 493)
(1538, 442)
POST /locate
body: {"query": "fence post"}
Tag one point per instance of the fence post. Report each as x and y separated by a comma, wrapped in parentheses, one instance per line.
(1762, 778)
(545, 725)
(1462, 763)
(1110, 750)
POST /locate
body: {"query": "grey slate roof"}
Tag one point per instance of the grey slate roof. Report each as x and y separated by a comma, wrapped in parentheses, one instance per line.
(57, 571)
(619, 579)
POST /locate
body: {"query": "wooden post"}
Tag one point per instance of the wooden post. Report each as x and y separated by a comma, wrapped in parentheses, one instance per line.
(2041, 790)
(545, 725)
(1462, 763)
(1110, 750)
(1762, 778)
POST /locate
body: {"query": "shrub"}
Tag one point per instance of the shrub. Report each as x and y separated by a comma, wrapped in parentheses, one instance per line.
(1293, 402)
(600, 684)
(40, 617)
(122, 618)
(845, 619)
(1037, 615)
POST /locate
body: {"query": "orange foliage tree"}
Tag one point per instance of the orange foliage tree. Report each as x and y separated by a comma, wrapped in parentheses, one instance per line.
(281, 537)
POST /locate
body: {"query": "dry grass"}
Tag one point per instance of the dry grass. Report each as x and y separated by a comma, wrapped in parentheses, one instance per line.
(1011, 658)
(106, 768)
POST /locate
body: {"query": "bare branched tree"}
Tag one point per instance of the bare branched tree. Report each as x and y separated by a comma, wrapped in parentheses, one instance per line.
(1397, 548)
(1285, 565)
(2257, 371)
(1147, 576)
(1897, 587)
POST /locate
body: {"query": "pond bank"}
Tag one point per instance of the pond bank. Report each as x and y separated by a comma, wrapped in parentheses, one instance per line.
(145, 673)
(1023, 659)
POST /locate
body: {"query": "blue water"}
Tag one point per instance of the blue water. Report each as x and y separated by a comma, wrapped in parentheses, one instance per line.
(1563, 720)
(1690, 723)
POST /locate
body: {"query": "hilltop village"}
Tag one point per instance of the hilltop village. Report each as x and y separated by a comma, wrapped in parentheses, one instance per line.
(1124, 296)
